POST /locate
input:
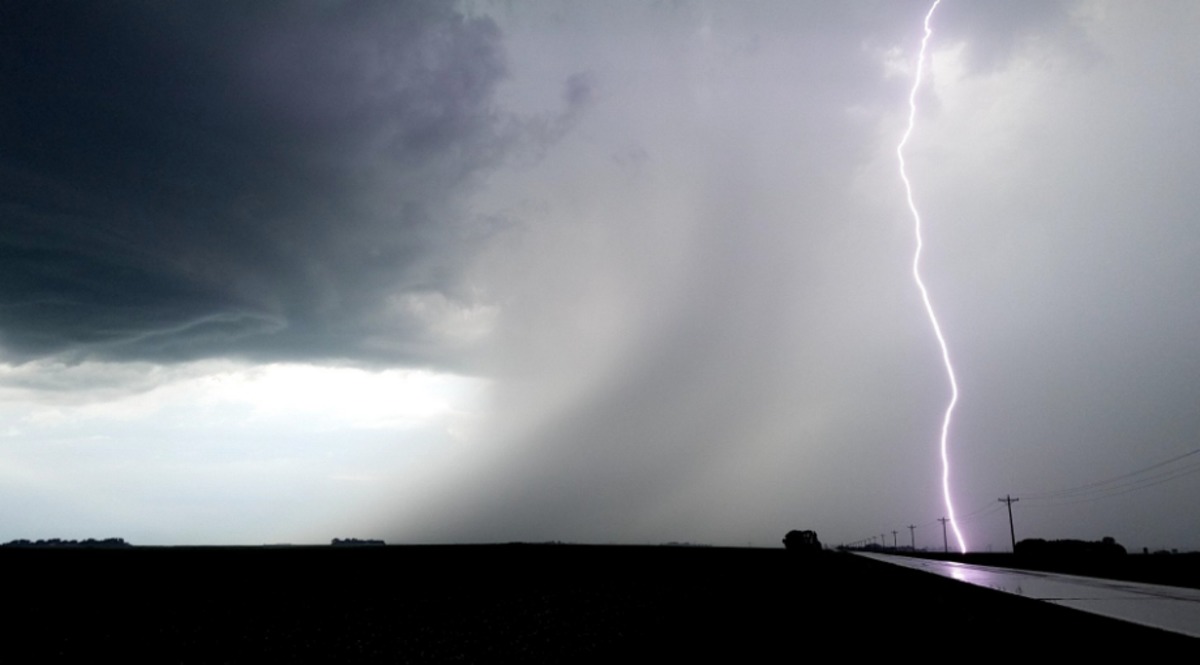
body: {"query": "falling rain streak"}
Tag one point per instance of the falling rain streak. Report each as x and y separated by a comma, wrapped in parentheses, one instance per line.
(937, 329)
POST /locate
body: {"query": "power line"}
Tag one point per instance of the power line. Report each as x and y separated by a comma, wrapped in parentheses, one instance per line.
(1100, 485)
(1123, 488)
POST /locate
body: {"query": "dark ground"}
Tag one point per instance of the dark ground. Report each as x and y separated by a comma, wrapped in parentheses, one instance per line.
(529, 603)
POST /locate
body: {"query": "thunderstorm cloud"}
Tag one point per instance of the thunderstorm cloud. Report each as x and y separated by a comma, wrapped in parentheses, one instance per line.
(615, 272)
(269, 180)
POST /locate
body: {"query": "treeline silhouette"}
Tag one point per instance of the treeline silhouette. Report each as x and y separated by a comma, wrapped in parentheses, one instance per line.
(59, 542)
(356, 542)
(1072, 549)
(802, 541)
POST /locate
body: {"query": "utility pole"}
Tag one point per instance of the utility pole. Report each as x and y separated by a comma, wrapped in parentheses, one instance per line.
(893, 540)
(1011, 532)
(945, 541)
(912, 534)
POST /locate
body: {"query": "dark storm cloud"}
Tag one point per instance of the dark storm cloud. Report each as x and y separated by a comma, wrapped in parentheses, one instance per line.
(259, 179)
(671, 235)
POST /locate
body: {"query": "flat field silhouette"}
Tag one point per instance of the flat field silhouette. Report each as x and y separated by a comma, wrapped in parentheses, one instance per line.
(533, 603)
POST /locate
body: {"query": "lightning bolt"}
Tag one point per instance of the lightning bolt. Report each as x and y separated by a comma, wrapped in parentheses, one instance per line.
(916, 270)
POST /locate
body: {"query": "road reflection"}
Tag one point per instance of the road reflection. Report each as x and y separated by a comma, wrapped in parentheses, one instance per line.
(1170, 608)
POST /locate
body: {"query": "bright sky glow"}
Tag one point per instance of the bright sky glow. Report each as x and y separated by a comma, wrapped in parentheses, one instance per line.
(219, 452)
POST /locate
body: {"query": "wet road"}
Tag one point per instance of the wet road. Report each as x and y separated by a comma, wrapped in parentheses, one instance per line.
(1175, 609)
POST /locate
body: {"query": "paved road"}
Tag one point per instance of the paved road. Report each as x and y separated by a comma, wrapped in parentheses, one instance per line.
(1175, 609)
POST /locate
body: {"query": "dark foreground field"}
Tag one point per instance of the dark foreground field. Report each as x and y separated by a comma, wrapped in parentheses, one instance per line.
(546, 603)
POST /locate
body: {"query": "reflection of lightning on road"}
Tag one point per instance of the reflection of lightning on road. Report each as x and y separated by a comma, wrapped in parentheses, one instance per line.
(937, 330)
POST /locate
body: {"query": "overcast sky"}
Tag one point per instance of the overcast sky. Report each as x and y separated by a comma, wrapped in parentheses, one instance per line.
(601, 272)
